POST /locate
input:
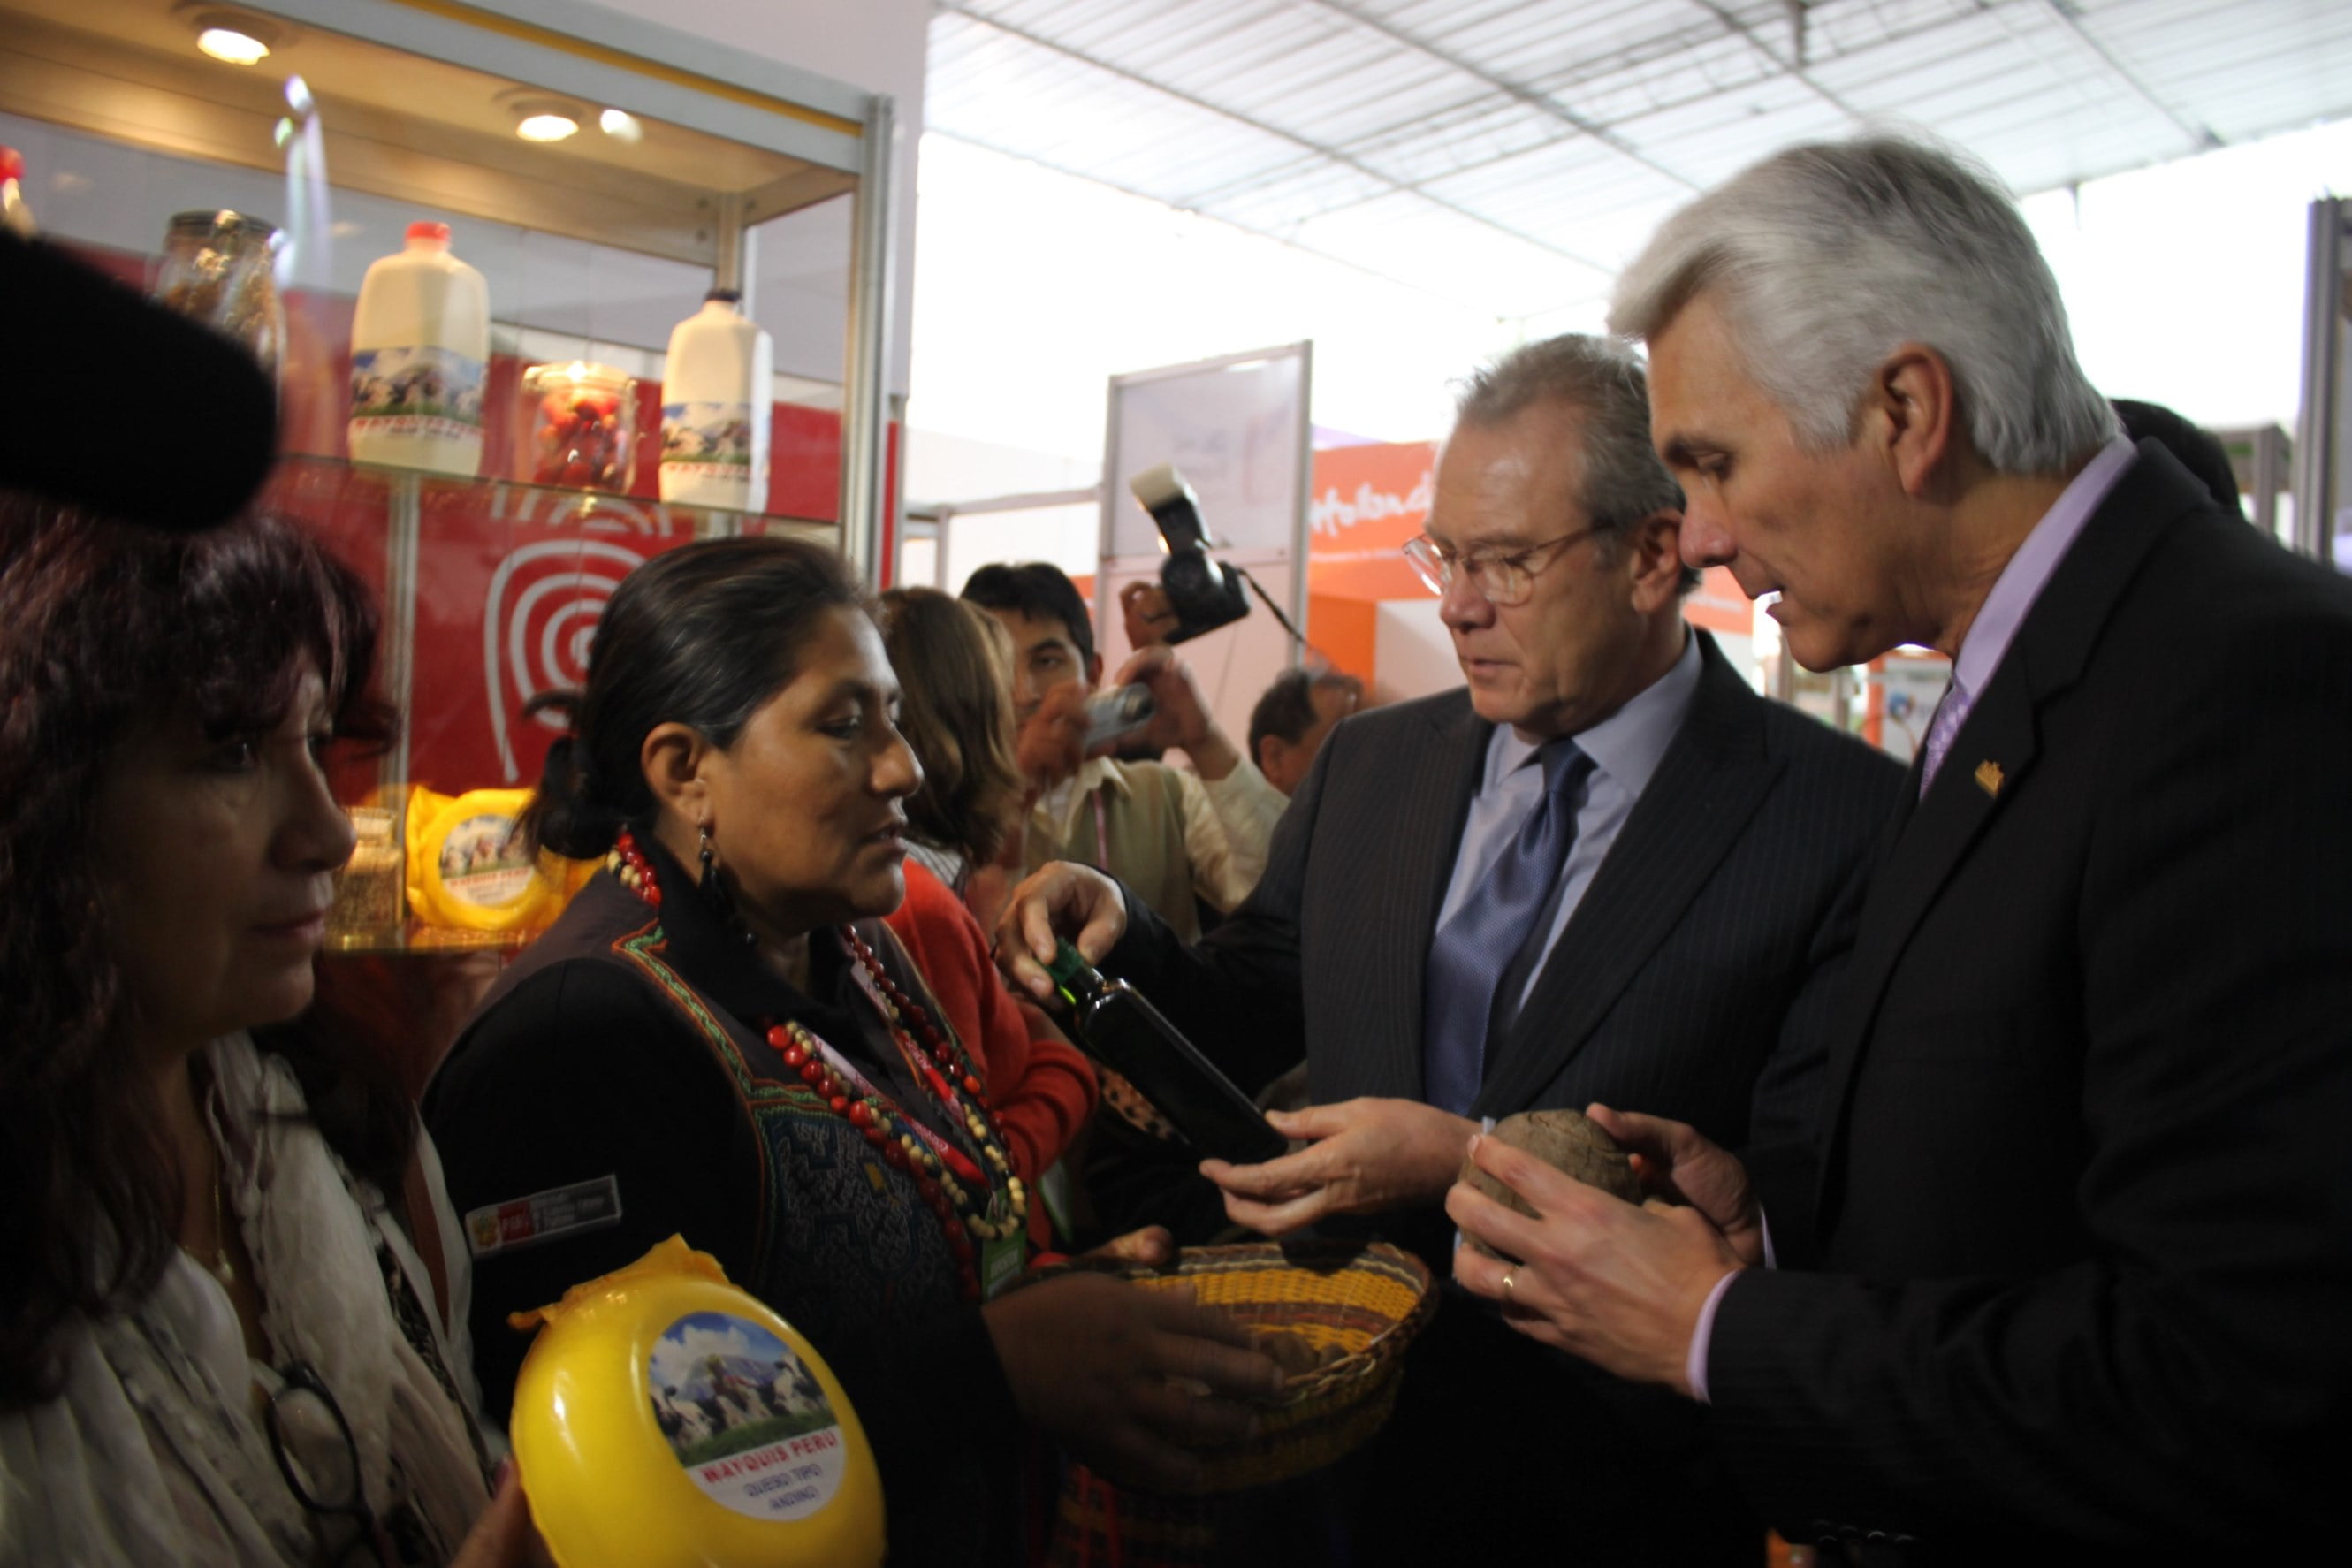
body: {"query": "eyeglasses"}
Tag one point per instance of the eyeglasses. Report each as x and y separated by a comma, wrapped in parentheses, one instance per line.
(311, 1441)
(1503, 578)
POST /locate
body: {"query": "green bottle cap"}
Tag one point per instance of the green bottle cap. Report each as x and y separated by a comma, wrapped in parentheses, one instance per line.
(1073, 975)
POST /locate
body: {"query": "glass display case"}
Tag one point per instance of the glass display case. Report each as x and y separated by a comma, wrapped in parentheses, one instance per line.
(600, 174)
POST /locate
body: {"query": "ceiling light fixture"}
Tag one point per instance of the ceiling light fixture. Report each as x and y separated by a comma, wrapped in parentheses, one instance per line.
(621, 126)
(237, 37)
(548, 127)
(538, 117)
(228, 43)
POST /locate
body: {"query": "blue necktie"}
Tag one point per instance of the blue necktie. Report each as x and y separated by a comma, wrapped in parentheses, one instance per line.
(1479, 964)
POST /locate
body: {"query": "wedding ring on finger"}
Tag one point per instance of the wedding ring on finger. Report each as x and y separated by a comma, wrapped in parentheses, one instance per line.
(1509, 1284)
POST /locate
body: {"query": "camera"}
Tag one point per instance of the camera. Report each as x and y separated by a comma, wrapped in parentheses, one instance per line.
(1113, 715)
(1204, 593)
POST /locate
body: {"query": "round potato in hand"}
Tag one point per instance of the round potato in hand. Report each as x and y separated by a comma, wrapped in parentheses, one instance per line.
(1568, 1140)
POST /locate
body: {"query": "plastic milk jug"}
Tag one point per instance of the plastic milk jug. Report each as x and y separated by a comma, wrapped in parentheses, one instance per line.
(420, 351)
(715, 407)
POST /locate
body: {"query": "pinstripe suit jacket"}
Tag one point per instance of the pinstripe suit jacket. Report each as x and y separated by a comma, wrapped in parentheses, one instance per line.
(1697, 968)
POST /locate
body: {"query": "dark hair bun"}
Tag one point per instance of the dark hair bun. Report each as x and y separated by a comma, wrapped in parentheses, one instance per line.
(564, 816)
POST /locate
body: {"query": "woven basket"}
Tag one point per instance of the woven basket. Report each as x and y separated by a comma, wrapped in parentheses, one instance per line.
(1366, 1303)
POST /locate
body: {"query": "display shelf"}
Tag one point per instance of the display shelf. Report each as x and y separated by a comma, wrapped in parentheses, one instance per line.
(691, 165)
(416, 940)
(302, 482)
(491, 590)
(397, 124)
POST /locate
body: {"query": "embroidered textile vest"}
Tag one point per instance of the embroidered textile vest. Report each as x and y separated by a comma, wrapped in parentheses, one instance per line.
(845, 1242)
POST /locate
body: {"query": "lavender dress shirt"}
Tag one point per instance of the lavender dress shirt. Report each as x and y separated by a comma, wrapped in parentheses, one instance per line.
(1989, 636)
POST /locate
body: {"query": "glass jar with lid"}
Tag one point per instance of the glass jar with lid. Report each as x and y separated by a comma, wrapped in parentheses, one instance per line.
(583, 423)
(369, 906)
(220, 267)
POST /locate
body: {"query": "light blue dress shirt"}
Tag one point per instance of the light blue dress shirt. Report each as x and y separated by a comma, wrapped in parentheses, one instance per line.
(1625, 749)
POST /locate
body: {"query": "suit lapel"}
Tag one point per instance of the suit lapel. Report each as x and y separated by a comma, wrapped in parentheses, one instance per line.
(1992, 757)
(1441, 777)
(1714, 774)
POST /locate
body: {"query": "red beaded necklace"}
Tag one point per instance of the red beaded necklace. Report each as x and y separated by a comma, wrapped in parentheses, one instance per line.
(958, 1192)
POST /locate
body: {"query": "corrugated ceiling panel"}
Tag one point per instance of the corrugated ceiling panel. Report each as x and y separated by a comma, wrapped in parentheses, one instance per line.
(1723, 64)
(1956, 46)
(1550, 191)
(1409, 239)
(1435, 150)
(1835, 27)
(1105, 27)
(1469, 127)
(2276, 67)
(1713, 137)
(1277, 205)
(1514, 38)
(1480, 103)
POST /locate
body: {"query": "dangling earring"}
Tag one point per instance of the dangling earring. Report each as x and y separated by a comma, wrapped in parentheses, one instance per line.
(713, 890)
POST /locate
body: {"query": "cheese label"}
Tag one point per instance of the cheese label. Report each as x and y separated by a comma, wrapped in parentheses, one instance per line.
(485, 862)
(469, 866)
(749, 1422)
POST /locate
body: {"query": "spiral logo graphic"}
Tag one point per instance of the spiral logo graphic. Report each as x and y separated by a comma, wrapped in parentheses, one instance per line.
(541, 612)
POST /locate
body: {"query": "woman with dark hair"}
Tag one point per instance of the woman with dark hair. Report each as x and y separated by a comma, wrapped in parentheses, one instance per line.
(954, 665)
(231, 1321)
(720, 1039)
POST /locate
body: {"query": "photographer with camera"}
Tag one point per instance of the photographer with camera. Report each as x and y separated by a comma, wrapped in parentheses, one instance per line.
(1171, 836)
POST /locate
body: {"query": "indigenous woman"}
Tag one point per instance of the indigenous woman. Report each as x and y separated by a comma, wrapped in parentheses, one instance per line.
(720, 1039)
(232, 1314)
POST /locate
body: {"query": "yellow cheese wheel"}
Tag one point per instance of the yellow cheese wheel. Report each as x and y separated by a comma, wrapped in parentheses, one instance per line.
(666, 1419)
(469, 868)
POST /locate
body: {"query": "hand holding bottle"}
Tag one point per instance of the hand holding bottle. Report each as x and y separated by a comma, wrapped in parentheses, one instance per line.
(1060, 900)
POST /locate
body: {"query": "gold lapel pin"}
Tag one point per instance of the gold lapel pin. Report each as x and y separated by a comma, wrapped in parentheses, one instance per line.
(1988, 778)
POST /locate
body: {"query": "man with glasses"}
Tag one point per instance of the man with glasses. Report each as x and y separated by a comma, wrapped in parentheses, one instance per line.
(1605, 870)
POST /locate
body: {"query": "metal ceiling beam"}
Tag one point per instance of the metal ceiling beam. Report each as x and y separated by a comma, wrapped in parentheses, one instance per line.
(1542, 102)
(1321, 150)
(2200, 137)
(1793, 69)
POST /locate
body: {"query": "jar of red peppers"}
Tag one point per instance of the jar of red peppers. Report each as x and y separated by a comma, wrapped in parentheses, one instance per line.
(584, 426)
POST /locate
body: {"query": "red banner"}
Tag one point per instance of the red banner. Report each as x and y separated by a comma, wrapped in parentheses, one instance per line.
(511, 581)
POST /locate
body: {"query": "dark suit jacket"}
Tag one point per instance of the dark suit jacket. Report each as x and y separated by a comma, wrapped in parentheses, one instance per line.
(1710, 934)
(2083, 1187)
(1693, 978)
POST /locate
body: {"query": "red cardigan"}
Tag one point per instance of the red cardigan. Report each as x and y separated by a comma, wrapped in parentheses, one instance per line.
(1042, 1088)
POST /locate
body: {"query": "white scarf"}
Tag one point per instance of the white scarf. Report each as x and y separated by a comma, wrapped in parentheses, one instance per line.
(154, 1453)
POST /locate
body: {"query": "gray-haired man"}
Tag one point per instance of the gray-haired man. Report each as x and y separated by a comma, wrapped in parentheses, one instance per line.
(1605, 870)
(2068, 1267)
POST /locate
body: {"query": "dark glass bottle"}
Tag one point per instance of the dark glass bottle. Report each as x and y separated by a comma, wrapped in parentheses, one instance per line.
(1127, 1034)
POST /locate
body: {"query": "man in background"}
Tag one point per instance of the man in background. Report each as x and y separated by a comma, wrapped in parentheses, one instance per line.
(1287, 727)
(1172, 835)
